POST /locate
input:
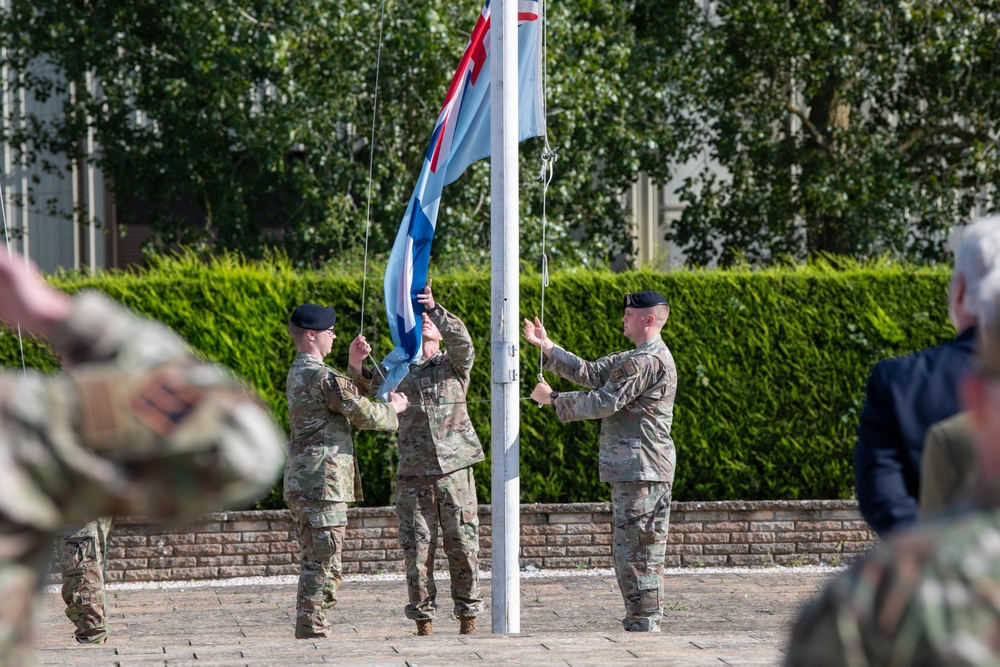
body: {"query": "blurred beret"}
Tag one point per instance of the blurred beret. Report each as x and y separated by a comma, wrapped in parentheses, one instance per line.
(645, 300)
(311, 316)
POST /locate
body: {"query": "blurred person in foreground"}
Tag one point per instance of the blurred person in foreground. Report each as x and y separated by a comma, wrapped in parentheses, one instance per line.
(137, 425)
(930, 595)
(949, 466)
(906, 395)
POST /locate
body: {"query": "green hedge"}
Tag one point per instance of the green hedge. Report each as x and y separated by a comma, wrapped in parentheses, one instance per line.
(771, 364)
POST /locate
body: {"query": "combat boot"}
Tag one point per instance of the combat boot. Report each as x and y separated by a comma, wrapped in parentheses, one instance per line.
(425, 628)
(468, 625)
(86, 635)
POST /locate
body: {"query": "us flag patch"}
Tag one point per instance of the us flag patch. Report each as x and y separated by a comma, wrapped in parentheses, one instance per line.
(348, 387)
(164, 401)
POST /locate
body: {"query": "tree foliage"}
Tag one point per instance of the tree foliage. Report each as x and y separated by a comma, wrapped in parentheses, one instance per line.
(259, 114)
(852, 127)
(849, 127)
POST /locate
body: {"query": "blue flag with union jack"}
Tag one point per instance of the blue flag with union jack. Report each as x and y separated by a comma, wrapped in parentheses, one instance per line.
(461, 136)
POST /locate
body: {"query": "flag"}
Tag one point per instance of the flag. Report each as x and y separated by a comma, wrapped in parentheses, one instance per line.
(460, 137)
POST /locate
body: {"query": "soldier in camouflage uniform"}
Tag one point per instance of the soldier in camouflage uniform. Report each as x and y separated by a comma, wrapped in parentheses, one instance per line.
(633, 395)
(437, 448)
(929, 597)
(948, 465)
(321, 475)
(83, 552)
(138, 425)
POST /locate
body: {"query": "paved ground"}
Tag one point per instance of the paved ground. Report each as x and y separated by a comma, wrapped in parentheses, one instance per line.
(718, 617)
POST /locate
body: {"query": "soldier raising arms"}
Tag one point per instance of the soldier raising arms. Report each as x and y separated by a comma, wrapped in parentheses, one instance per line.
(633, 395)
(437, 448)
(321, 475)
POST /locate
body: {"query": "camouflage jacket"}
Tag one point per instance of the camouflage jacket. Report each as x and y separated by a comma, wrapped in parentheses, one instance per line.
(322, 406)
(927, 597)
(436, 436)
(634, 398)
(137, 425)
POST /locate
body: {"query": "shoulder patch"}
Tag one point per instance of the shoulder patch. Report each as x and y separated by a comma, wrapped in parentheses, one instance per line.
(343, 387)
(630, 367)
(349, 387)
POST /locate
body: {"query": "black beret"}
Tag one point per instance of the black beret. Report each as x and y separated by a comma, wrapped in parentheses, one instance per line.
(311, 316)
(645, 300)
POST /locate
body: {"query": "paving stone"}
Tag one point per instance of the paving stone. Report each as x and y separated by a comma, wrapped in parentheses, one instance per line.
(735, 618)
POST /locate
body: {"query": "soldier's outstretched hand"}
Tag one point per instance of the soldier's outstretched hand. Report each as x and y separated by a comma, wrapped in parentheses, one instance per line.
(398, 400)
(26, 299)
(426, 298)
(535, 334)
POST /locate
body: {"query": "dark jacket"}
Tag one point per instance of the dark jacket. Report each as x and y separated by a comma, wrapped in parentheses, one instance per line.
(905, 396)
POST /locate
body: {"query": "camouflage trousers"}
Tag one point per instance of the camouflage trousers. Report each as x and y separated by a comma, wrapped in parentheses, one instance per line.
(83, 554)
(321, 526)
(641, 517)
(422, 503)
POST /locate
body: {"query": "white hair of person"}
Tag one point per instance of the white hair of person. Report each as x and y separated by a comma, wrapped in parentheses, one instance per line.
(989, 302)
(977, 256)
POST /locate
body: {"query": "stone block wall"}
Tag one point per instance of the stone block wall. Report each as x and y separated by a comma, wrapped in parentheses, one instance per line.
(727, 533)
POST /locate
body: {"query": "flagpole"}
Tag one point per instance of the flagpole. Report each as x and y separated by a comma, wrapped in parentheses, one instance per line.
(504, 318)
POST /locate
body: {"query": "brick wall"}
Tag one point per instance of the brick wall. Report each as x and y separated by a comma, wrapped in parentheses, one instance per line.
(728, 533)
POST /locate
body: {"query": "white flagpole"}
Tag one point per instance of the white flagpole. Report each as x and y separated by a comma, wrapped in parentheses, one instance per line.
(504, 318)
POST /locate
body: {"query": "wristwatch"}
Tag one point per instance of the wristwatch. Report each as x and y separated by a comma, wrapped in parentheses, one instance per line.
(552, 398)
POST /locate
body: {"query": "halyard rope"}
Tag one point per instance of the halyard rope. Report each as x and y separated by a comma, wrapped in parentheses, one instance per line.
(371, 163)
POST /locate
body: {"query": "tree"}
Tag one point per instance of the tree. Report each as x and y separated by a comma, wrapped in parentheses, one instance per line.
(260, 111)
(850, 127)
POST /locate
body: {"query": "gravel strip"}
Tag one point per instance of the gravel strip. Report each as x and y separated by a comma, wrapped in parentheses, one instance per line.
(400, 577)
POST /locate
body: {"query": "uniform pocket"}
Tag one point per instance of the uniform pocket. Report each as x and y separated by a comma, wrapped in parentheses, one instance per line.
(649, 591)
(323, 542)
(80, 553)
(322, 524)
(656, 515)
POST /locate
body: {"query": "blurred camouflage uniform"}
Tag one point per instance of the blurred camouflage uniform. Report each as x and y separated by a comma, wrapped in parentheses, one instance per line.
(949, 466)
(322, 476)
(437, 448)
(83, 553)
(928, 597)
(634, 398)
(138, 425)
